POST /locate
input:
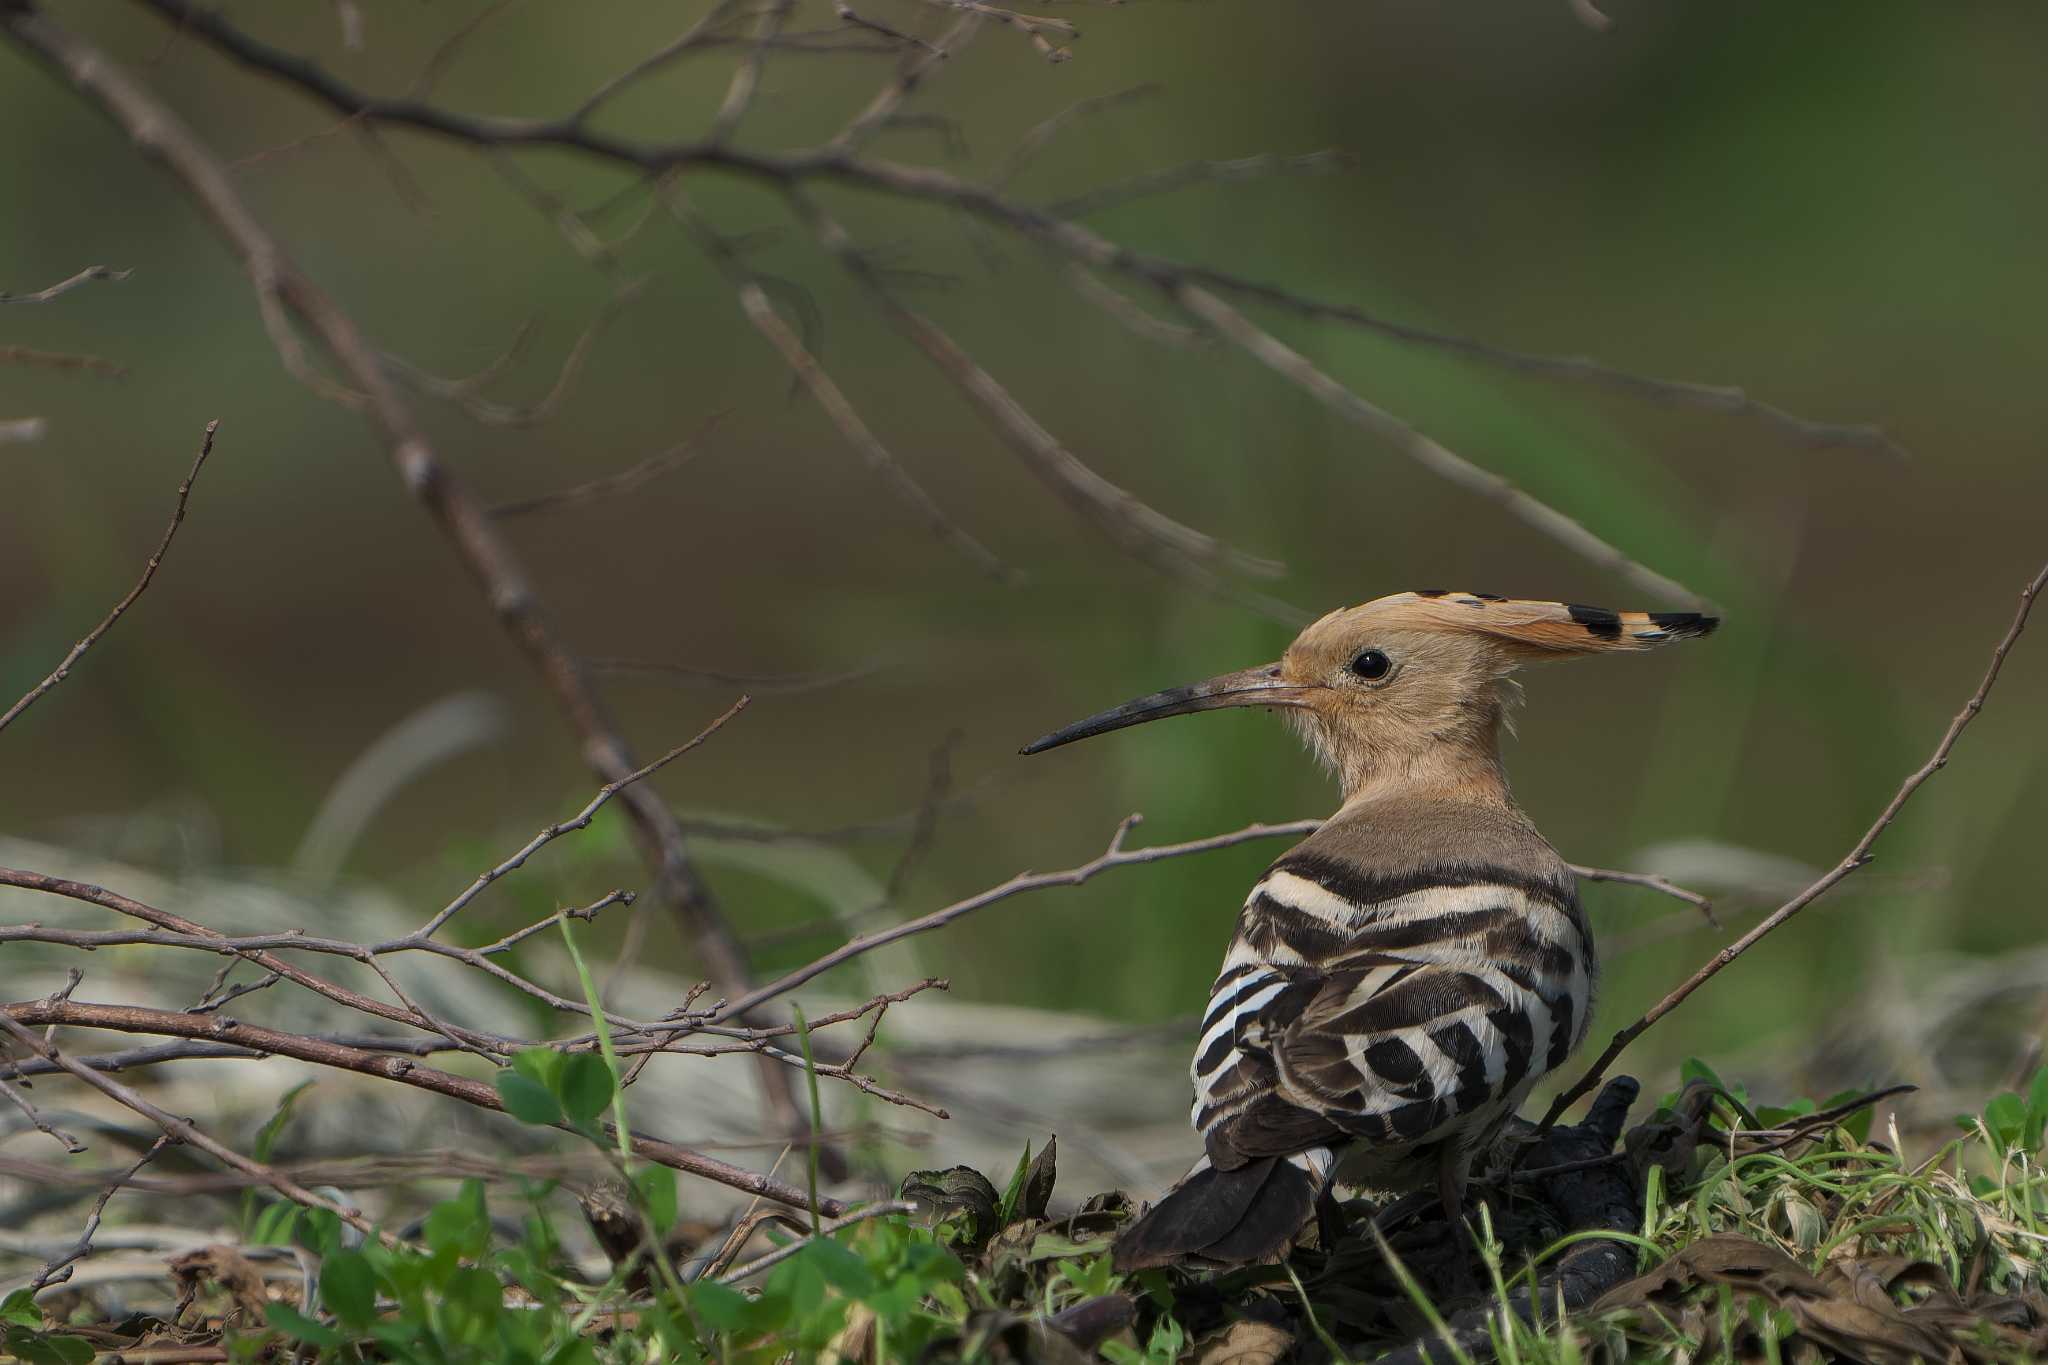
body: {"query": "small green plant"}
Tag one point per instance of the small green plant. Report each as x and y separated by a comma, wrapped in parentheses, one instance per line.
(2014, 1124)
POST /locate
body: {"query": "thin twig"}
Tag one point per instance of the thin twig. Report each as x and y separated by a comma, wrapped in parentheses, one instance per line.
(1170, 178)
(283, 294)
(462, 392)
(578, 821)
(783, 1253)
(1116, 855)
(1854, 859)
(63, 670)
(609, 486)
(178, 1128)
(58, 1269)
(85, 276)
(1650, 881)
(172, 1023)
(62, 360)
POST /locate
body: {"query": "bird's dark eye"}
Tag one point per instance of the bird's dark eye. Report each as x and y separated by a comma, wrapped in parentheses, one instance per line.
(1371, 665)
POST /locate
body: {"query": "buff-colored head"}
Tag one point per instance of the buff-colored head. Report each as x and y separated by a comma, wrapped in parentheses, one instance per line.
(1412, 688)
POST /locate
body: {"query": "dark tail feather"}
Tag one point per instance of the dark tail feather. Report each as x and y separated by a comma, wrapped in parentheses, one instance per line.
(1228, 1218)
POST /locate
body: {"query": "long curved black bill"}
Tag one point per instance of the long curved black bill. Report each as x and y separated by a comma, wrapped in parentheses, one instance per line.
(1259, 686)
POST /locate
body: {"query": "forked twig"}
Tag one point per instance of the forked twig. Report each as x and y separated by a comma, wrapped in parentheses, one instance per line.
(63, 670)
(1851, 861)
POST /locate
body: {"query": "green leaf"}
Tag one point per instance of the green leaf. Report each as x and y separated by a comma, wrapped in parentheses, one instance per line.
(540, 1064)
(2037, 1110)
(320, 1232)
(51, 1348)
(273, 1127)
(299, 1327)
(657, 1188)
(20, 1307)
(1013, 1193)
(842, 1268)
(527, 1099)
(274, 1225)
(462, 1225)
(585, 1086)
(1693, 1069)
(719, 1307)
(348, 1288)
(2006, 1117)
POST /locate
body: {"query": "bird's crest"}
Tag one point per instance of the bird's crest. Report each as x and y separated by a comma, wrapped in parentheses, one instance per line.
(1538, 628)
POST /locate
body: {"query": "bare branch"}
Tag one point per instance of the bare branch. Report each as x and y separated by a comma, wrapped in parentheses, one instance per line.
(1854, 859)
(783, 1253)
(1176, 549)
(58, 1269)
(282, 293)
(1172, 178)
(61, 287)
(463, 392)
(134, 1019)
(62, 360)
(1114, 856)
(611, 485)
(1650, 881)
(12, 1020)
(746, 79)
(1032, 143)
(756, 684)
(691, 37)
(63, 670)
(1285, 361)
(580, 820)
(882, 108)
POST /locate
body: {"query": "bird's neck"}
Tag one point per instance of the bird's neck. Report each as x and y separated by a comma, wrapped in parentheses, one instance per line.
(1465, 774)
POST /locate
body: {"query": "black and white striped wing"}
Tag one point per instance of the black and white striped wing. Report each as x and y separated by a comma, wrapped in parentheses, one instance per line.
(1386, 1011)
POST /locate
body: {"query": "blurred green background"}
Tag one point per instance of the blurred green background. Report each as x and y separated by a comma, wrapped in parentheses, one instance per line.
(1836, 206)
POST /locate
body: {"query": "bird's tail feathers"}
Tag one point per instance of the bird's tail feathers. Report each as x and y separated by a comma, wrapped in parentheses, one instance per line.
(1228, 1218)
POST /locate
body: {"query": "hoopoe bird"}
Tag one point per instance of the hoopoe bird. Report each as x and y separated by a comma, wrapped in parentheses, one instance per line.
(1400, 979)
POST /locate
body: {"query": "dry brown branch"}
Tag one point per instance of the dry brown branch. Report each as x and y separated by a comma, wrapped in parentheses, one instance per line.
(1134, 318)
(746, 78)
(63, 670)
(1041, 135)
(691, 37)
(463, 392)
(133, 1019)
(1652, 882)
(580, 820)
(783, 1253)
(1189, 286)
(848, 15)
(283, 292)
(61, 360)
(1032, 26)
(68, 1141)
(1170, 178)
(1290, 364)
(757, 684)
(611, 485)
(1854, 859)
(1116, 855)
(443, 56)
(982, 202)
(58, 1269)
(179, 1129)
(754, 302)
(1141, 530)
(61, 287)
(128, 1059)
(909, 75)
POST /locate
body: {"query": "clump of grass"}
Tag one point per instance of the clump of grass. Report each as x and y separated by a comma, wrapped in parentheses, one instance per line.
(1767, 1234)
